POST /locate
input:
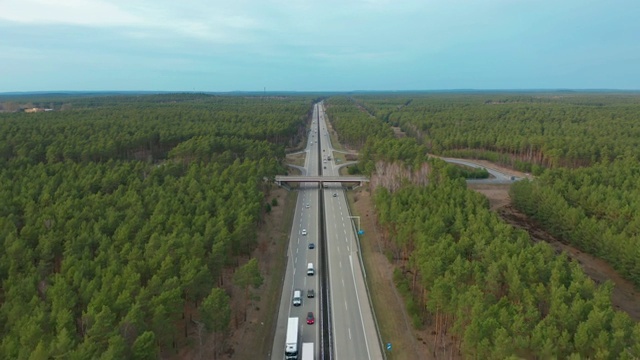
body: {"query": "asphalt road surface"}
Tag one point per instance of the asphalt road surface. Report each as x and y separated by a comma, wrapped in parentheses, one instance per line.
(352, 325)
(299, 255)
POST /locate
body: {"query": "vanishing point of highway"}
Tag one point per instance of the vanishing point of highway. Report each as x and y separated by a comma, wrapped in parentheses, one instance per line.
(346, 318)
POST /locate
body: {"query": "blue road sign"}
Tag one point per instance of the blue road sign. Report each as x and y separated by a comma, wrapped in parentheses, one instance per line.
(360, 232)
(389, 346)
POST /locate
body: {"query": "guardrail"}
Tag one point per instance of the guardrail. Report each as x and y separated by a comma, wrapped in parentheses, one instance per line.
(326, 334)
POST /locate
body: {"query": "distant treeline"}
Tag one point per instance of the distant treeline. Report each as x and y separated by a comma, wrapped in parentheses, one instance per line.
(526, 131)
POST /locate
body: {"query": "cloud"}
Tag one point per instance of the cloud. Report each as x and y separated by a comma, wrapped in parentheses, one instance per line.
(74, 12)
(139, 20)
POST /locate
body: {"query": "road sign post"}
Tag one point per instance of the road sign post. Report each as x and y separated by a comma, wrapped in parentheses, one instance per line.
(358, 231)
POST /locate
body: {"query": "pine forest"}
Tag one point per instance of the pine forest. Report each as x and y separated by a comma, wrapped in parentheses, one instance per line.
(121, 214)
(484, 286)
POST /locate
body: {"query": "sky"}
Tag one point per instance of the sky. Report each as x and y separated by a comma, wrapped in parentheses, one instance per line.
(319, 45)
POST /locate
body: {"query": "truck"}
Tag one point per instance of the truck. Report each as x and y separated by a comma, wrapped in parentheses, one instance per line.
(307, 351)
(291, 349)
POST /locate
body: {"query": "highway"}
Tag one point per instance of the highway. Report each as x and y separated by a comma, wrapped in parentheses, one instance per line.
(298, 256)
(352, 326)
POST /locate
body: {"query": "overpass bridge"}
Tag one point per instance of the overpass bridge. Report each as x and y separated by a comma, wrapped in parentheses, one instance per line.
(320, 179)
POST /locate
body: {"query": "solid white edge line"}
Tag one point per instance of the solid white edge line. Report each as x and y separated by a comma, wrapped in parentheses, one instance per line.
(355, 287)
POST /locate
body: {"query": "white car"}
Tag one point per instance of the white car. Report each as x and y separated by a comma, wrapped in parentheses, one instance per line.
(307, 206)
(304, 231)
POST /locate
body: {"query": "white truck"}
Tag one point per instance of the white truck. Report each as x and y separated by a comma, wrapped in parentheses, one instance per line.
(307, 351)
(291, 349)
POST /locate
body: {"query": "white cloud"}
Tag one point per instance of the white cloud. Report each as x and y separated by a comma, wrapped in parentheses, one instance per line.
(141, 19)
(74, 12)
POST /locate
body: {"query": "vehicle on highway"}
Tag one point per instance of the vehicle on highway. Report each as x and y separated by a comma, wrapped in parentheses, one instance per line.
(304, 231)
(292, 340)
(307, 351)
(311, 293)
(297, 297)
(312, 246)
(335, 194)
(307, 206)
(310, 318)
(325, 167)
(310, 269)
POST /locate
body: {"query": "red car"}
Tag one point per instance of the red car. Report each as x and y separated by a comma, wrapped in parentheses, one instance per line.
(310, 318)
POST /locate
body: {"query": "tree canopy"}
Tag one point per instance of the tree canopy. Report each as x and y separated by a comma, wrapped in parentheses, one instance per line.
(115, 217)
(475, 279)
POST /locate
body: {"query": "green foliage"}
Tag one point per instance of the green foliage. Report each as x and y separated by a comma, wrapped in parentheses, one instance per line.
(274, 202)
(404, 287)
(595, 209)
(464, 172)
(144, 347)
(526, 131)
(354, 125)
(151, 128)
(248, 275)
(216, 311)
(484, 282)
(115, 216)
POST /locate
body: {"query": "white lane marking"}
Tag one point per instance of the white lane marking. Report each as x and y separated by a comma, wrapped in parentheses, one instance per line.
(338, 248)
(342, 282)
(341, 264)
(345, 306)
(355, 287)
(349, 333)
(333, 323)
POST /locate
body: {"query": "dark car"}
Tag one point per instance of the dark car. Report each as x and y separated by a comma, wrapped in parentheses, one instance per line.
(311, 293)
(335, 195)
(312, 246)
(310, 318)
